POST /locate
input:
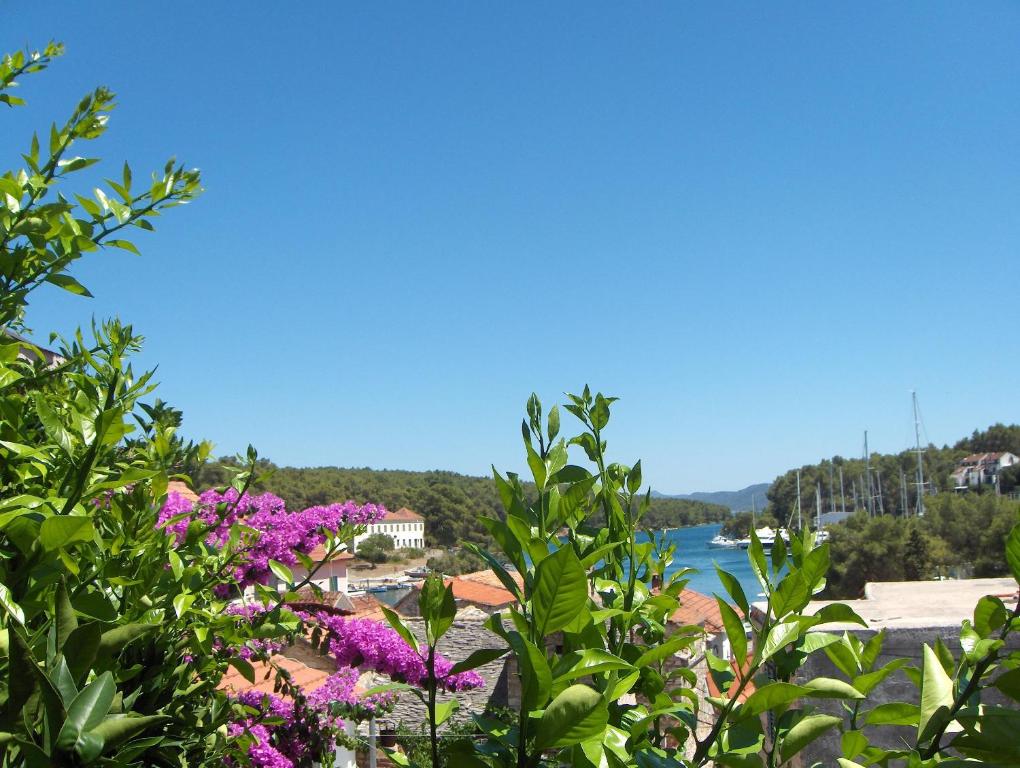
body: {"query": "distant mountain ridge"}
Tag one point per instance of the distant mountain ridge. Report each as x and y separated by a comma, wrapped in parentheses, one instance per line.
(737, 501)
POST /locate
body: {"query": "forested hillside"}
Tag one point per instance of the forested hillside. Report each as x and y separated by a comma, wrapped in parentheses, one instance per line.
(893, 477)
(450, 503)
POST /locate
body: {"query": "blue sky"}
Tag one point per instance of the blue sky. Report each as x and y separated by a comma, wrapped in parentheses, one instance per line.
(760, 225)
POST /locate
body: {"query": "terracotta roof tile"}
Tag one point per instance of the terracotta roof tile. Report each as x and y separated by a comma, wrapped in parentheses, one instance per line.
(319, 554)
(176, 486)
(488, 577)
(402, 515)
(303, 675)
(699, 609)
(477, 592)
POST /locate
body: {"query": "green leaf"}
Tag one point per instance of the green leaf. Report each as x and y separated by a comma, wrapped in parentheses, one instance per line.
(561, 590)
(732, 586)
(66, 621)
(590, 661)
(893, 713)
(1013, 551)
(281, 571)
(60, 530)
(735, 631)
(772, 696)
(244, 667)
(478, 658)
(117, 729)
(838, 612)
(497, 568)
(52, 424)
(853, 743)
(438, 607)
(400, 627)
(804, 732)
(81, 649)
(8, 604)
(989, 615)
(88, 710)
(831, 688)
(182, 603)
(578, 713)
(780, 636)
(444, 709)
(936, 694)
(600, 412)
(533, 669)
(1009, 683)
(68, 283)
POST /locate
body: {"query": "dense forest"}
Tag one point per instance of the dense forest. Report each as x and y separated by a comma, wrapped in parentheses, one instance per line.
(450, 503)
(887, 483)
(960, 536)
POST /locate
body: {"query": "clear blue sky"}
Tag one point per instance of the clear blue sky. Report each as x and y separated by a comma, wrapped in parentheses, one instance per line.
(760, 225)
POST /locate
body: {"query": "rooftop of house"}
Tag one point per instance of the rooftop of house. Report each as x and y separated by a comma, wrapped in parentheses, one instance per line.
(318, 554)
(983, 458)
(301, 674)
(698, 609)
(919, 604)
(488, 577)
(480, 593)
(402, 515)
(182, 489)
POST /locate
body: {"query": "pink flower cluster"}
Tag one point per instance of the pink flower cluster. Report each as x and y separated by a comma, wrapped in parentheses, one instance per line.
(367, 643)
(279, 533)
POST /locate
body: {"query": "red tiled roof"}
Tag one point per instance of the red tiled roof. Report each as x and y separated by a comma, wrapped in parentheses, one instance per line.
(319, 554)
(488, 577)
(176, 486)
(402, 515)
(699, 609)
(367, 607)
(477, 592)
(301, 674)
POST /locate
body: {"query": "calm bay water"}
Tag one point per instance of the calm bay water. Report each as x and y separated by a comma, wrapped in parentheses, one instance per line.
(692, 551)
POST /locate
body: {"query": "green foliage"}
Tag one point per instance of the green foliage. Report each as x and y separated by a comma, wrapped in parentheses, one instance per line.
(107, 624)
(451, 504)
(959, 534)
(739, 525)
(455, 563)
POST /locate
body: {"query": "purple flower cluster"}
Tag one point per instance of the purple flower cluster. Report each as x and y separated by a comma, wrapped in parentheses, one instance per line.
(279, 533)
(272, 743)
(366, 643)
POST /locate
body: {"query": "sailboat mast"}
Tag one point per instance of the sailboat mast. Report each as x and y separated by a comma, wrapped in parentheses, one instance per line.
(920, 462)
(754, 512)
(818, 506)
(867, 474)
(904, 509)
(832, 492)
(798, 501)
(878, 480)
(842, 492)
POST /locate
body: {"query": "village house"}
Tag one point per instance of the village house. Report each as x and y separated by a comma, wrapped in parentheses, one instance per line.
(981, 469)
(481, 590)
(406, 528)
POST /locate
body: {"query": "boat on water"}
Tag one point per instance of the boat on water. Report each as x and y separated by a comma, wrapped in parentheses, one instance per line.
(723, 542)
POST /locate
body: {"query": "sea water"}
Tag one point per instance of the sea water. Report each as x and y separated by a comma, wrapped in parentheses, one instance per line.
(692, 551)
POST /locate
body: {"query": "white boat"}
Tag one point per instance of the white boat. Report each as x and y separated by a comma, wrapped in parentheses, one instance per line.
(766, 536)
(723, 542)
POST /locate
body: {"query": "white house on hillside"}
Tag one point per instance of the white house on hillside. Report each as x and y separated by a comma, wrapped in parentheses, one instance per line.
(406, 528)
(981, 469)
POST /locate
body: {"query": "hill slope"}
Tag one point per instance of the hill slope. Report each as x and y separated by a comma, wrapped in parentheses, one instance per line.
(736, 501)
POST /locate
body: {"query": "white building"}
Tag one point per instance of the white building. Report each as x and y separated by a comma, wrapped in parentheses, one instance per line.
(981, 469)
(406, 528)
